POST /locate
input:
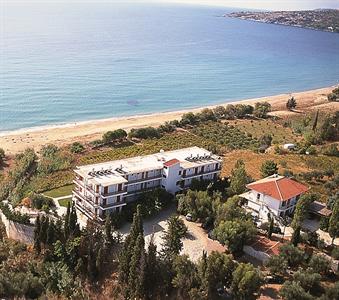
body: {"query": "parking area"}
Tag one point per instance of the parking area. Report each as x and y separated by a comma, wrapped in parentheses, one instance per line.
(194, 243)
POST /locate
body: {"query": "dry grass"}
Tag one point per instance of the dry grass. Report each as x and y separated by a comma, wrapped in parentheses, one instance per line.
(253, 161)
(257, 128)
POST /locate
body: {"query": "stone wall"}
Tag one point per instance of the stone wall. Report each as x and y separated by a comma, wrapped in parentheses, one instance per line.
(16, 231)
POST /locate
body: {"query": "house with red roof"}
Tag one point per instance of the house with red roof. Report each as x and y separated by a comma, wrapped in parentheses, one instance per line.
(277, 195)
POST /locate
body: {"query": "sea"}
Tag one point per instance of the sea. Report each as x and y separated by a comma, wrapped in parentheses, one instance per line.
(65, 63)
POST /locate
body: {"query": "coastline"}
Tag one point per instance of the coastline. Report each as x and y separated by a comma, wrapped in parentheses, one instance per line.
(16, 141)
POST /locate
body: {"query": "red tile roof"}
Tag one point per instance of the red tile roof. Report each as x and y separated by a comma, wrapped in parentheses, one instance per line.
(278, 187)
(171, 162)
(263, 244)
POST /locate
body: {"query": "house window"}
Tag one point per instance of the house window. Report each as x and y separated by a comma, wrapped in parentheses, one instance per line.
(118, 199)
(258, 196)
(180, 172)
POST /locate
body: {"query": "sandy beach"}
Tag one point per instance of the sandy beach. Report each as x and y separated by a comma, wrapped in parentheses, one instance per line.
(16, 141)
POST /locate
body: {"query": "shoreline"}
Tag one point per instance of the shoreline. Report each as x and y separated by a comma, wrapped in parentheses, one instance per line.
(83, 131)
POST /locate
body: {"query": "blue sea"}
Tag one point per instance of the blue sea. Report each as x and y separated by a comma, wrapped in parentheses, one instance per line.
(63, 63)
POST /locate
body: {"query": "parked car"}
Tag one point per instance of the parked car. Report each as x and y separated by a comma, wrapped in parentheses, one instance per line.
(189, 218)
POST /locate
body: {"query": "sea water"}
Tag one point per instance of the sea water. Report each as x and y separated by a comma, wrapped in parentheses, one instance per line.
(62, 63)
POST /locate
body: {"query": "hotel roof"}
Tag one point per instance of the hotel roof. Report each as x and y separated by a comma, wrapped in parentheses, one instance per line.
(112, 172)
(278, 187)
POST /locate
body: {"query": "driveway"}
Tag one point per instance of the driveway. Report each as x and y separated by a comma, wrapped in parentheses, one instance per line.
(194, 243)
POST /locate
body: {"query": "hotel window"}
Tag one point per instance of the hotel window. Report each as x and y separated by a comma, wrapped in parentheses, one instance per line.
(118, 199)
(106, 190)
(258, 196)
(180, 172)
(104, 202)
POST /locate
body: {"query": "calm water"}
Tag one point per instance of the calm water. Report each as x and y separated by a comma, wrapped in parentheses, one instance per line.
(66, 63)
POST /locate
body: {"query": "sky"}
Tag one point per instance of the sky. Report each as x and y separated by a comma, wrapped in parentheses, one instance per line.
(254, 4)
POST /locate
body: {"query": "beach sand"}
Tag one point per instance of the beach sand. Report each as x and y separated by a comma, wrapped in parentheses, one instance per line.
(16, 141)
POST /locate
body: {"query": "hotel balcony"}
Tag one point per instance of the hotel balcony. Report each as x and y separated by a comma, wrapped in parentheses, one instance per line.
(187, 176)
(89, 200)
(115, 193)
(130, 182)
(90, 214)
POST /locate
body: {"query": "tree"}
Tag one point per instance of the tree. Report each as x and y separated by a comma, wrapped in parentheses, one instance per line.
(246, 281)
(239, 178)
(2, 156)
(277, 265)
(51, 237)
(307, 279)
(292, 255)
(268, 168)
(108, 232)
(296, 236)
(270, 228)
(319, 264)
(77, 147)
(185, 277)
(333, 226)
(291, 103)
(37, 243)
(135, 289)
(189, 119)
(128, 246)
(235, 234)
(66, 223)
(301, 210)
(315, 122)
(176, 230)
(152, 282)
(292, 290)
(219, 112)
(332, 97)
(261, 109)
(331, 292)
(216, 271)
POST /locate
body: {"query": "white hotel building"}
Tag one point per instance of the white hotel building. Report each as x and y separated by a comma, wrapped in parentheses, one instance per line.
(106, 187)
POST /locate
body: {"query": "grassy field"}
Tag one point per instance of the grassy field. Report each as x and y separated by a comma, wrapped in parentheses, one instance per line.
(253, 161)
(64, 202)
(257, 128)
(60, 192)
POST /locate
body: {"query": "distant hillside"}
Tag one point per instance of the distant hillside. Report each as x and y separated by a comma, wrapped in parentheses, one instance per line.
(320, 19)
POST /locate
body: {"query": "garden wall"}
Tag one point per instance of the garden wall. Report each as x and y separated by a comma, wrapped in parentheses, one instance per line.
(16, 231)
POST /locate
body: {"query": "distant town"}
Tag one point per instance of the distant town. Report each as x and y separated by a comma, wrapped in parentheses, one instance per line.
(320, 19)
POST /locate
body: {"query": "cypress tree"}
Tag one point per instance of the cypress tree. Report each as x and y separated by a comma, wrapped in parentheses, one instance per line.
(99, 260)
(108, 232)
(37, 245)
(73, 222)
(333, 225)
(58, 230)
(270, 228)
(295, 239)
(50, 234)
(43, 229)
(66, 224)
(315, 123)
(151, 270)
(128, 246)
(135, 287)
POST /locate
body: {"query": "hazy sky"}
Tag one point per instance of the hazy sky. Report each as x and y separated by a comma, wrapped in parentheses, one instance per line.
(257, 4)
